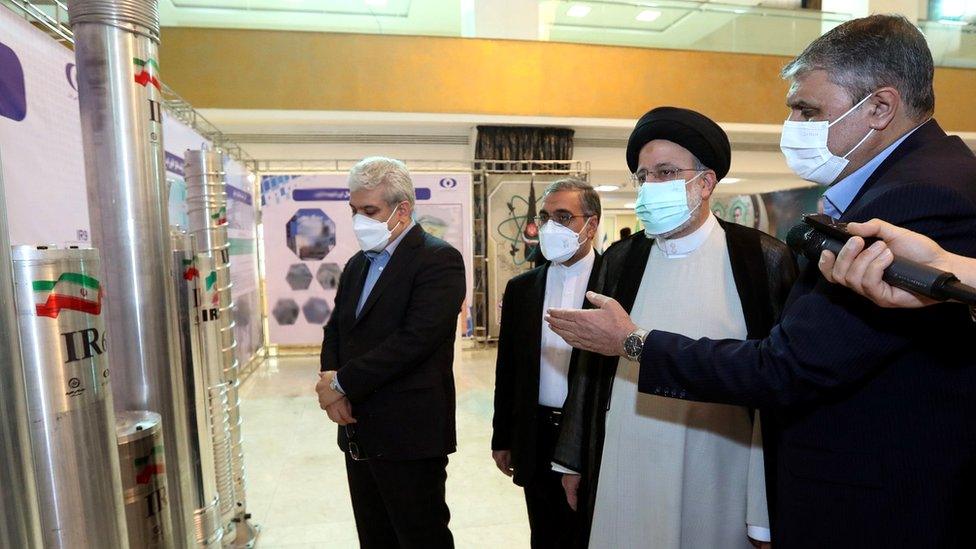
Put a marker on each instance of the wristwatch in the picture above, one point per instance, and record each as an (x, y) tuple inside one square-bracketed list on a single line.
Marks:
[(634, 344), (334, 385)]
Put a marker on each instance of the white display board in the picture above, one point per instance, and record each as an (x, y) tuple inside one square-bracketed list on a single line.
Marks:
[(41, 146), (40, 138), (308, 239), (242, 236)]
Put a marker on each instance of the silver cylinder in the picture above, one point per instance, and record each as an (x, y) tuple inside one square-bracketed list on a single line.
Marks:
[(207, 529), (116, 51), (208, 315), (58, 297), (142, 461), (206, 204), (237, 443), (19, 524), (207, 212)]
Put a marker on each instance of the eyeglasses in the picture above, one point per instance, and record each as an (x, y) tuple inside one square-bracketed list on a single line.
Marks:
[(563, 218), (663, 174), (355, 452)]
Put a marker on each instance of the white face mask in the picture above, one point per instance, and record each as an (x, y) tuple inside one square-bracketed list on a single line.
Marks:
[(372, 235), (805, 146), (558, 242)]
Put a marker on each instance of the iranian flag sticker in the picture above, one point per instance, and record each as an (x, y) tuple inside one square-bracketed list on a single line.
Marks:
[(71, 291), (149, 466)]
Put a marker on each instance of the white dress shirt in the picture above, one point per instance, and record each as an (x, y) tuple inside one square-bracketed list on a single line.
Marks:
[(680, 247), (565, 289)]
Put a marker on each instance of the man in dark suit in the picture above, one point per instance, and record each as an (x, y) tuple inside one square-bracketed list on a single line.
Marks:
[(387, 361), (533, 363), (873, 408)]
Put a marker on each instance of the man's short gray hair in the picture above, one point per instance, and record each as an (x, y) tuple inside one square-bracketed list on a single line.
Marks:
[(374, 171), (863, 55), (589, 198)]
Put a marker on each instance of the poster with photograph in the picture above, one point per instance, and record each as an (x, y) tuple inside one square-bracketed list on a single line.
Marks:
[(308, 239)]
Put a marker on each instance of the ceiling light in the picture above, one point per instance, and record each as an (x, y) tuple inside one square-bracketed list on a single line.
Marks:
[(730, 180), (630, 205), (605, 188), (578, 10), (648, 15), (951, 8), (376, 3)]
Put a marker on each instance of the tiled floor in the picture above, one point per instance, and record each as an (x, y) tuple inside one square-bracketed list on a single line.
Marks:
[(296, 483)]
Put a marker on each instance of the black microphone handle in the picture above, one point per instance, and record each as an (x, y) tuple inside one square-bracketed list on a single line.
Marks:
[(961, 292), (907, 275)]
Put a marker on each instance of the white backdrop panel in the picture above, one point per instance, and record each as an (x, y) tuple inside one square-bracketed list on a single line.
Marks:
[(40, 138), (308, 239)]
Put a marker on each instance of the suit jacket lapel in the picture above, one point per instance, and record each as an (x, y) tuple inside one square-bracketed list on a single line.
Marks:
[(402, 256), (358, 268), (632, 271), (925, 134), (534, 324), (590, 285)]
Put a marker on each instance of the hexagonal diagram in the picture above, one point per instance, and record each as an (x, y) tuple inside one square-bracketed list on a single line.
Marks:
[(299, 276), (285, 312), (433, 225), (310, 233), (316, 310), (328, 275)]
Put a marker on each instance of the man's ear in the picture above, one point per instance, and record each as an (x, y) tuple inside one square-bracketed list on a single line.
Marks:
[(710, 180), (593, 226), (886, 103)]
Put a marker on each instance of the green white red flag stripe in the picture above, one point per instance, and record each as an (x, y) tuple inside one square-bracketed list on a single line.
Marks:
[(147, 467), (71, 291), (146, 76)]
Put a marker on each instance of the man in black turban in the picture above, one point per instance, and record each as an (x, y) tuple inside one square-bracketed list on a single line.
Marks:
[(654, 471)]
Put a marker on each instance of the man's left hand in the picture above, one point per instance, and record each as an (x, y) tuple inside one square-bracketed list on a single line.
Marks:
[(324, 389), (601, 330), (340, 412)]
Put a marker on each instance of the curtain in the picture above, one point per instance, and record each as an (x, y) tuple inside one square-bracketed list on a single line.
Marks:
[(524, 143)]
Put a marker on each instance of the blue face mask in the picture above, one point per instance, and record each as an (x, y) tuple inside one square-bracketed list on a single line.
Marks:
[(663, 207)]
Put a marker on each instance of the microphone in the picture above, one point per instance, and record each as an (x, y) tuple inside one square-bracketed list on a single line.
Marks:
[(820, 232)]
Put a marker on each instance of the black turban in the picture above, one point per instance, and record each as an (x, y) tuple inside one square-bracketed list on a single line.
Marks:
[(693, 131)]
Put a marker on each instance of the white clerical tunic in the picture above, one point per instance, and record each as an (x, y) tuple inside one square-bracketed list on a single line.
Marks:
[(676, 473)]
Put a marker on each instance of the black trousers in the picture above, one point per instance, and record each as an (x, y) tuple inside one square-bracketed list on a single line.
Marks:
[(400, 503), (552, 521)]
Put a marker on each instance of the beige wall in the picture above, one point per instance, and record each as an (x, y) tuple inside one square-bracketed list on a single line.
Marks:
[(250, 69)]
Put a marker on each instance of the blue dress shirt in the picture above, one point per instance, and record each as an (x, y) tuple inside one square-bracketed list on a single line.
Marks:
[(377, 262)]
